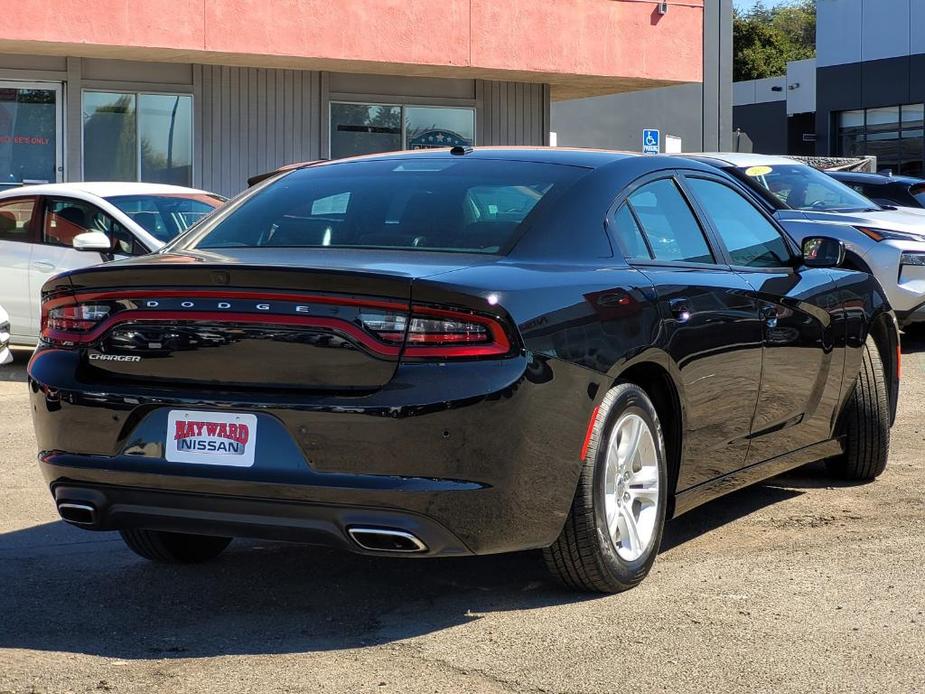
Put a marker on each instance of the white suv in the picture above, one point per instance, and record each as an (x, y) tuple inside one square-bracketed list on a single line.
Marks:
[(47, 229)]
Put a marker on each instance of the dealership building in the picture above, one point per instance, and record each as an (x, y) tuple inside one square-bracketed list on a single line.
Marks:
[(863, 95), (210, 93)]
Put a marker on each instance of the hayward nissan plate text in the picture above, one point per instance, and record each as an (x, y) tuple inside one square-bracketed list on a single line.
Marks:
[(459, 352)]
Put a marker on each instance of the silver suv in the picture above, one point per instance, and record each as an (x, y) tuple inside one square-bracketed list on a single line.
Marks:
[(887, 242)]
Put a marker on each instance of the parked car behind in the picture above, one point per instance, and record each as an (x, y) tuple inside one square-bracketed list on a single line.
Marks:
[(459, 352), (901, 191), (5, 355), (46, 229), (887, 242)]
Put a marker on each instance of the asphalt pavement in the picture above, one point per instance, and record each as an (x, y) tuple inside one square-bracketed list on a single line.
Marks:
[(798, 584)]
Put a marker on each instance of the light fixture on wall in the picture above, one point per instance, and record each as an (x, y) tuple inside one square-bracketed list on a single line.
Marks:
[(663, 7), (795, 85)]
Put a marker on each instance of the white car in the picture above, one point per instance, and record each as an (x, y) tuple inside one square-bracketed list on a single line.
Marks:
[(887, 242), (47, 229), (5, 355)]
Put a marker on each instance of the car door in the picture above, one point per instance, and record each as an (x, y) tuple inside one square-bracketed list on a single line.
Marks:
[(803, 340), (63, 218), (17, 236), (710, 324)]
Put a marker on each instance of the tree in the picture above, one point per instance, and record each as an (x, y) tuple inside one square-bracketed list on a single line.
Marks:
[(766, 39)]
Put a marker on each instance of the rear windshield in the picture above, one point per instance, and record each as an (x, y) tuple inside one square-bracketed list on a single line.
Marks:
[(165, 216), (462, 205), (802, 187)]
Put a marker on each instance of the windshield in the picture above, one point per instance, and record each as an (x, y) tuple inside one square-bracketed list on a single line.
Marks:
[(422, 204), (165, 216), (802, 187)]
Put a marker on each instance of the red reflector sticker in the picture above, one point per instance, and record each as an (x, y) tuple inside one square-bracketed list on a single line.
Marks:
[(584, 446)]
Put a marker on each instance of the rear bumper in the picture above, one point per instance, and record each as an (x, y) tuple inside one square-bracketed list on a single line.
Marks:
[(479, 458), (115, 507)]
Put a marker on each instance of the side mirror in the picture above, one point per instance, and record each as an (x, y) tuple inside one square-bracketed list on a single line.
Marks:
[(822, 251), (92, 241)]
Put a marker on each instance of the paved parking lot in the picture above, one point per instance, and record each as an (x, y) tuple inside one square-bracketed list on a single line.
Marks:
[(793, 585)]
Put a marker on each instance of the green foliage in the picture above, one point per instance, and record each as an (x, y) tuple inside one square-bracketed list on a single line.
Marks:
[(766, 39)]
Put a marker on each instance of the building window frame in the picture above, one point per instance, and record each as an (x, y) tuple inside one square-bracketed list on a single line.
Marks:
[(403, 104), (137, 94)]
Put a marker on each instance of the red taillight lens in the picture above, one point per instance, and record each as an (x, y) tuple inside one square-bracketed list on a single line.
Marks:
[(440, 333), (65, 322)]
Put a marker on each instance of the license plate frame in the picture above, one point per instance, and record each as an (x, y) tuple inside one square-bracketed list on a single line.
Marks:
[(201, 437)]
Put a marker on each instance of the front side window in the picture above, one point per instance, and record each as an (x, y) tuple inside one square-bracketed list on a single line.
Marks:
[(66, 218), (458, 205), (137, 137), (168, 215), (801, 187), (752, 241), (668, 223), (16, 218)]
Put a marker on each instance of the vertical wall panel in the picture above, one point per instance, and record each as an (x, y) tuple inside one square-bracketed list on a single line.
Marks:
[(252, 120), (512, 113)]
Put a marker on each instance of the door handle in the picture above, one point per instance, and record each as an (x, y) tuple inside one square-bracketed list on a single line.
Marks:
[(769, 315), (680, 310), (43, 265)]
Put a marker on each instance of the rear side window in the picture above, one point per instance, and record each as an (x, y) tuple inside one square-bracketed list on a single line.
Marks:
[(752, 241), (918, 192), (629, 234), (15, 219), (668, 223), (461, 205)]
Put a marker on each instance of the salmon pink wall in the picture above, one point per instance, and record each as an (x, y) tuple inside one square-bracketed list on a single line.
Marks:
[(622, 40)]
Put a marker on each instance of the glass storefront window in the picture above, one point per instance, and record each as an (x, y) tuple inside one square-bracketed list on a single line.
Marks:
[(110, 138), (894, 134), (364, 129), (138, 137), (165, 138), (28, 134), (427, 127), (370, 128)]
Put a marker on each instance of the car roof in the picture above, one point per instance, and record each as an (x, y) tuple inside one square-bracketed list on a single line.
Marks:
[(101, 189), (874, 178), (570, 156), (741, 159)]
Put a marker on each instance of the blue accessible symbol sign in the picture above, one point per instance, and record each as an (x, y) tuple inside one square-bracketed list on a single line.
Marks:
[(651, 142)]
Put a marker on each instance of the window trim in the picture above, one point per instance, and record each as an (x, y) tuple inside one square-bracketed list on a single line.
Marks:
[(32, 236), (720, 258), (402, 105), (750, 199), (137, 93)]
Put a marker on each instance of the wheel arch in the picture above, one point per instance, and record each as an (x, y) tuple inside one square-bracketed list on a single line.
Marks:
[(657, 375)]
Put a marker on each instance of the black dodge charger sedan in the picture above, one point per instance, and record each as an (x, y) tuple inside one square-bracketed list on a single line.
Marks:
[(459, 352)]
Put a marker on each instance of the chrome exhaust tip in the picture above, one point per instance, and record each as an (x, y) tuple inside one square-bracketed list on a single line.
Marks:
[(386, 540), (78, 514)]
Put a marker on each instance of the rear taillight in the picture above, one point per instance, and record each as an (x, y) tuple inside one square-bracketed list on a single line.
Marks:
[(434, 333), (66, 322)]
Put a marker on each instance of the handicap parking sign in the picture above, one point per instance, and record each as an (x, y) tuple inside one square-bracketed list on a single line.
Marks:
[(651, 142)]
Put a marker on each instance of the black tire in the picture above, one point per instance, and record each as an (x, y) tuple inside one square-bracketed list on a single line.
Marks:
[(584, 557), (865, 423), (173, 548)]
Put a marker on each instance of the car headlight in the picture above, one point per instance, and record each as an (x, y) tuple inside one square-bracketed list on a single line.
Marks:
[(912, 258), (889, 235)]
